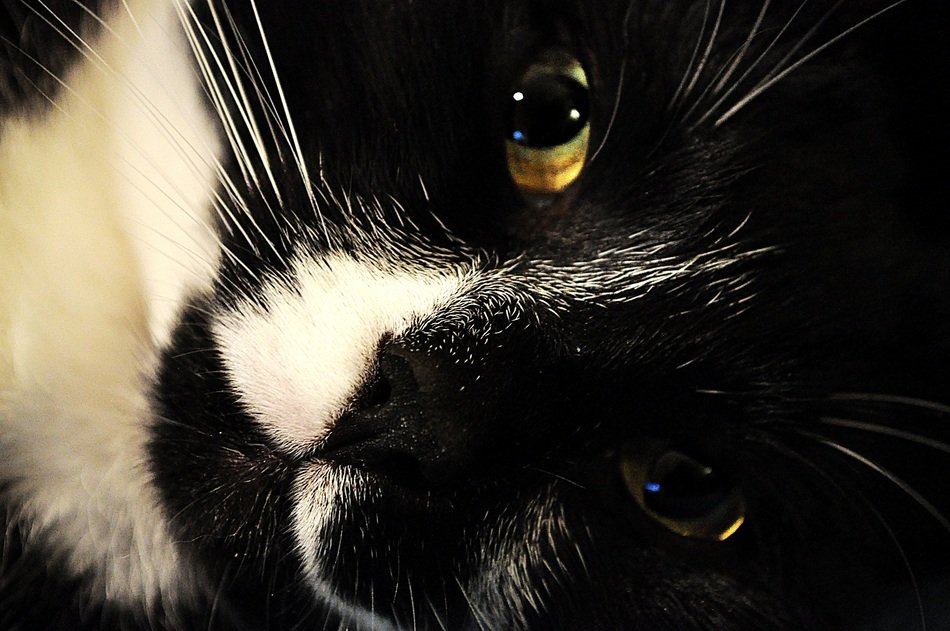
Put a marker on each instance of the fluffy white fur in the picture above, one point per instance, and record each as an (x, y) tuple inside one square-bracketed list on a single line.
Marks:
[(103, 230), (297, 361)]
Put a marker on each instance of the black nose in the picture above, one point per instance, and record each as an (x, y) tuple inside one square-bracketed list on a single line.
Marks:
[(421, 419)]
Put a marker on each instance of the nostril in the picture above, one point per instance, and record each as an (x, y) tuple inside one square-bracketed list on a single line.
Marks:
[(404, 423), (374, 392)]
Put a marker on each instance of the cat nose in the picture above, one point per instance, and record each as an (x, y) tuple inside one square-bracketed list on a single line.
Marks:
[(420, 419)]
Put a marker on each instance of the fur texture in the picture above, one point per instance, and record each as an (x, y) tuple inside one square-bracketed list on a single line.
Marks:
[(282, 345)]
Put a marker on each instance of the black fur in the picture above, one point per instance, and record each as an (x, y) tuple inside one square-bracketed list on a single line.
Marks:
[(514, 410)]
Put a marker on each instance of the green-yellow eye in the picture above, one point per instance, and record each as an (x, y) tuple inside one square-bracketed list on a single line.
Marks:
[(683, 494), (548, 125)]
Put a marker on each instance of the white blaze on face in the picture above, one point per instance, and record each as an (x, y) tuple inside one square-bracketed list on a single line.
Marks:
[(297, 361)]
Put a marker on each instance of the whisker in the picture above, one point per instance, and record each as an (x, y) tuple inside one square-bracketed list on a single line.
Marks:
[(689, 67), (804, 39), (755, 64), (708, 52), (193, 30), (557, 476), (923, 404), (722, 77), (163, 124), (46, 96), (131, 14), (619, 92), (888, 475), (794, 454), (758, 90), (412, 605), (102, 23), (180, 142), (744, 48), (888, 431), (245, 109), (299, 158), (478, 615), (256, 79), (435, 614), (196, 35), (74, 38)]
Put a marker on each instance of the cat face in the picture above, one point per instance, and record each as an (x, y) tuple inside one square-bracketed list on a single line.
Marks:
[(427, 388), (562, 315)]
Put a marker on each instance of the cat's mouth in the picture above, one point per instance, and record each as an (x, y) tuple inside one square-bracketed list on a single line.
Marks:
[(371, 453)]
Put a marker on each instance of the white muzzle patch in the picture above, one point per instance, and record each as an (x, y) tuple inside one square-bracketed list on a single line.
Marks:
[(297, 356)]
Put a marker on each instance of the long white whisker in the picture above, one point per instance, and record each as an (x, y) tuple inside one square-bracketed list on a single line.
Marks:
[(617, 97), (217, 97), (744, 48), (613, 113), (85, 49), (888, 431), (708, 52), (924, 404), (298, 152), (476, 613), (888, 475), (807, 37), (246, 111), (758, 90), (256, 79), (412, 605), (435, 614), (755, 64), (73, 37), (98, 18), (179, 141), (34, 85), (788, 451), (245, 68), (689, 68), (196, 34), (190, 24)]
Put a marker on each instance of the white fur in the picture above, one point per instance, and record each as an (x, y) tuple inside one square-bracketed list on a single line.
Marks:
[(103, 231), (322, 490), (297, 359), (318, 495)]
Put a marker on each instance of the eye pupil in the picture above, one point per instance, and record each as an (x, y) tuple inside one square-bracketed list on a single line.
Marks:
[(681, 493), (679, 487), (547, 110), (547, 129)]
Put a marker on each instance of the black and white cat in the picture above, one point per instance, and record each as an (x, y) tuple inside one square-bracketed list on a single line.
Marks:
[(524, 314)]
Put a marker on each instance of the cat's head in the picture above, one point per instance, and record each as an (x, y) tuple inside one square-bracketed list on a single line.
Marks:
[(568, 314)]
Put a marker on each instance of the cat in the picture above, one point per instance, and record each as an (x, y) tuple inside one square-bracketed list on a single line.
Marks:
[(424, 314)]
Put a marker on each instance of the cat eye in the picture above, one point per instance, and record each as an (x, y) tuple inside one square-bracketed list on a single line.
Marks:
[(682, 493), (548, 126)]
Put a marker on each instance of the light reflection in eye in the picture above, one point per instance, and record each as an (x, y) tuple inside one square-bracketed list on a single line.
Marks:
[(548, 129), (681, 493)]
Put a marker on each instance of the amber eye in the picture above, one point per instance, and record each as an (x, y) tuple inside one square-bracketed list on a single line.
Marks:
[(548, 125), (681, 493)]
